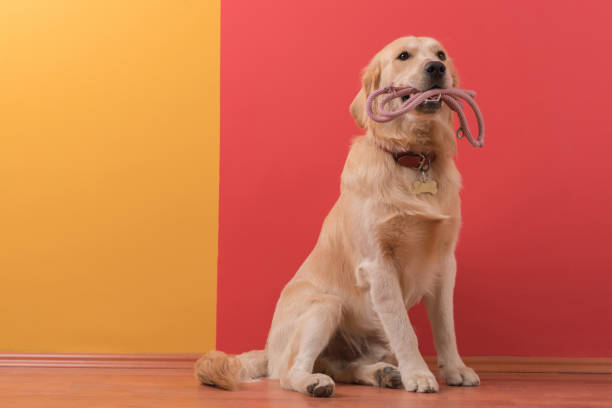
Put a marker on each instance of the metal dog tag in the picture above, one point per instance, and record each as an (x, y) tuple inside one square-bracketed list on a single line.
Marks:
[(420, 187)]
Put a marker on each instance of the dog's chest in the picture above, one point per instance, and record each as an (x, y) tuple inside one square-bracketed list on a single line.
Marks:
[(421, 249)]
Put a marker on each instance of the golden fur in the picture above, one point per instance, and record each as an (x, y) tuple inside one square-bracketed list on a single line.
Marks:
[(381, 250)]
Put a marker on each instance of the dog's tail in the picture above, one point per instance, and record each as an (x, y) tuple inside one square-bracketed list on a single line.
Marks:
[(225, 371)]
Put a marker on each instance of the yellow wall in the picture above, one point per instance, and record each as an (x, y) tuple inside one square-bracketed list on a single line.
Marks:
[(109, 146)]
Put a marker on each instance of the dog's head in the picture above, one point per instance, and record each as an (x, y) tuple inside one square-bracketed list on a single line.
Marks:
[(418, 62)]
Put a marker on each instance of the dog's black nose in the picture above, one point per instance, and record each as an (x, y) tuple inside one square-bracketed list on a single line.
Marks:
[(435, 69)]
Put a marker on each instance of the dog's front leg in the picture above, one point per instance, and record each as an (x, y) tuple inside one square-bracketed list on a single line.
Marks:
[(439, 306), (388, 303)]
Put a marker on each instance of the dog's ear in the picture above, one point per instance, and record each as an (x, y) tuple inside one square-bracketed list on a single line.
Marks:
[(358, 108), (454, 74), (370, 81)]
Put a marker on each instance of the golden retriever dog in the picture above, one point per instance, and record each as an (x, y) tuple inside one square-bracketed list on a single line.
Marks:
[(383, 247)]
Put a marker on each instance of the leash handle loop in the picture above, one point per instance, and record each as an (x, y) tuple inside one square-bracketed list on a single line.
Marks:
[(451, 96)]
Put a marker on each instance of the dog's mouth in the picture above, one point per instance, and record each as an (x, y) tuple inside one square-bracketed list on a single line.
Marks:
[(430, 105)]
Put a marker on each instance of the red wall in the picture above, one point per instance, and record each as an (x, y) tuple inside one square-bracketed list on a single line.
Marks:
[(535, 254)]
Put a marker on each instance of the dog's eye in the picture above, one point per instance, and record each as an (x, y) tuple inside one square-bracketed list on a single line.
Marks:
[(403, 56), (441, 55)]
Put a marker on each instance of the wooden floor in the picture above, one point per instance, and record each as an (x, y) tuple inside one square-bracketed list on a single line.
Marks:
[(105, 387)]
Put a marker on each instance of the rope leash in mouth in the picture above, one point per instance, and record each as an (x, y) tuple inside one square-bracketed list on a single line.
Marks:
[(450, 96)]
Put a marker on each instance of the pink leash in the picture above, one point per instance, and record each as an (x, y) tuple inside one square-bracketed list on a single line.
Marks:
[(450, 96)]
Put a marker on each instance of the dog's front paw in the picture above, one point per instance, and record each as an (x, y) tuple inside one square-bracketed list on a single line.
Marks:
[(420, 381), (459, 375)]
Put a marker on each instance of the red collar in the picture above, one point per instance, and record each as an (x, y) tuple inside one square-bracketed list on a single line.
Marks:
[(418, 161)]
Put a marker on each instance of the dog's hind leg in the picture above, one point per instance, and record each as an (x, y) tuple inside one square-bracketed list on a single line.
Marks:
[(362, 371), (313, 330)]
